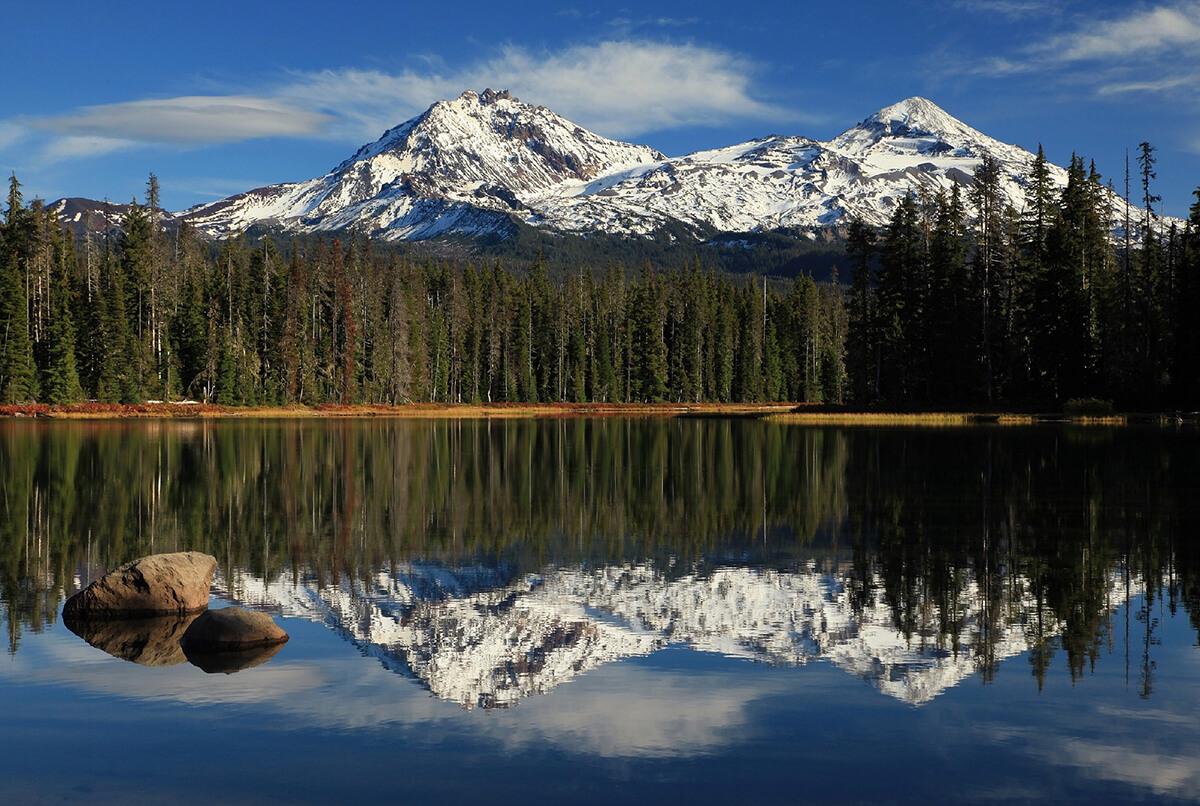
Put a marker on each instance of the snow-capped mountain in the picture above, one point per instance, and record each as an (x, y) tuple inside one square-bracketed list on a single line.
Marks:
[(475, 164), (463, 166), (85, 216), (479, 639)]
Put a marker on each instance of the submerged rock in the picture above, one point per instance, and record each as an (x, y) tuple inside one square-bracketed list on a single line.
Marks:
[(230, 660), (161, 584), (232, 628), (150, 641)]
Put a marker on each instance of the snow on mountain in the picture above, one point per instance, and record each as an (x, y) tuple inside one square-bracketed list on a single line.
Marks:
[(463, 166), (86, 216), (478, 639), (475, 164)]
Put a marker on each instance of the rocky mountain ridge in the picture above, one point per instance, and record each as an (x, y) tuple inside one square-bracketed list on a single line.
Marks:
[(482, 163)]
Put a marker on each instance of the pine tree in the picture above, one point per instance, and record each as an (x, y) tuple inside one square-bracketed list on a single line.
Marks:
[(862, 340), (950, 326), (18, 372), (114, 382), (647, 343), (900, 299), (60, 377), (987, 197)]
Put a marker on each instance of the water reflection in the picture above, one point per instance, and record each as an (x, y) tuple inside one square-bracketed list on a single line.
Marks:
[(495, 560), (144, 641), (230, 661), (495, 647)]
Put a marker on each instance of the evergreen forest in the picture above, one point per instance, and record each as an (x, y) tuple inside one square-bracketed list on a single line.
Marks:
[(960, 301)]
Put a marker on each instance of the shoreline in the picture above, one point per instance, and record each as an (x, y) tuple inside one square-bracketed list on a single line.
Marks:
[(782, 413)]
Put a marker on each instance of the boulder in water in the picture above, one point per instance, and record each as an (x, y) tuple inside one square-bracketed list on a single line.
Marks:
[(232, 629), (161, 584)]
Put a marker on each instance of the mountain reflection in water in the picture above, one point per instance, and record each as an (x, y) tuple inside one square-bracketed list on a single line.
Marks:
[(493, 560), (493, 647)]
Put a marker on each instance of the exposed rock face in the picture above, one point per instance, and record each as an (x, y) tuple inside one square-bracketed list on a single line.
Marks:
[(232, 628), (158, 585), (150, 641)]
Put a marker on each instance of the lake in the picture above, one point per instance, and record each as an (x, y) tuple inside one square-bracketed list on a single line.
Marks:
[(588, 610)]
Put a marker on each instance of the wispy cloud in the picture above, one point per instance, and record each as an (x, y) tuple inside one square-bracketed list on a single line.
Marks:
[(621, 88), (1010, 8), (1189, 80), (1149, 32), (1158, 41), (187, 120), (631, 23), (75, 146), (11, 133)]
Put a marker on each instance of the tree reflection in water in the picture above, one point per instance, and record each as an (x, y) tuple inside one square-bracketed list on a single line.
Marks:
[(967, 544)]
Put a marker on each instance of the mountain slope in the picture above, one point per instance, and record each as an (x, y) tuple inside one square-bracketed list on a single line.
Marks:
[(463, 166), (87, 216), (795, 182), (476, 164)]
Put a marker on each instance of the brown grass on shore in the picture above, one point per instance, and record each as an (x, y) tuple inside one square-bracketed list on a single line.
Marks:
[(873, 418), (782, 413), (102, 411), (933, 419)]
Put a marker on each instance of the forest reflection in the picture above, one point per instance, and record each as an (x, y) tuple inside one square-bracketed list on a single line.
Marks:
[(1054, 522)]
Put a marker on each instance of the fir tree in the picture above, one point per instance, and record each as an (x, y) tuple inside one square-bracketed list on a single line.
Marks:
[(60, 377), (861, 341), (18, 372)]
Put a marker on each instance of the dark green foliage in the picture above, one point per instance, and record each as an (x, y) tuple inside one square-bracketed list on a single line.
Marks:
[(960, 301), (60, 373), (974, 304), (18, 372)]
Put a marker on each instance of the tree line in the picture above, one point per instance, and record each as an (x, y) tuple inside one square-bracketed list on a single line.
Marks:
[(960, 300), (963, 300), (156, 315)]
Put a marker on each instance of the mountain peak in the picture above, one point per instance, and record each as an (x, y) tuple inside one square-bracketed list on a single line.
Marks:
[(491, 96), (917, 114), (474, 163), (488, 96)]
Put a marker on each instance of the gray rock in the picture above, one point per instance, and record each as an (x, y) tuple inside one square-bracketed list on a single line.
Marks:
[(232, 628), (158, 585)]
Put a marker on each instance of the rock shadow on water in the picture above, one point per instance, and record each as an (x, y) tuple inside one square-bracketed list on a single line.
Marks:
[(147, 641), (165, 640), (229, 661)]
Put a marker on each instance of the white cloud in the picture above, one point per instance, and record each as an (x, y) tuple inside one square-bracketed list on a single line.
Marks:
[(621, 88), (1155, 40), (187, 120), (82, 145), (1010, 8), (1145, 32), (11, 133), (1164, 84)]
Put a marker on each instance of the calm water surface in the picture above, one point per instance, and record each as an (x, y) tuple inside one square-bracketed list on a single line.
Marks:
[(588, 610)]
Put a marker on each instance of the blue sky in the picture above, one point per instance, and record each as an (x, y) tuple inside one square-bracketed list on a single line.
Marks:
[(224, 96)]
